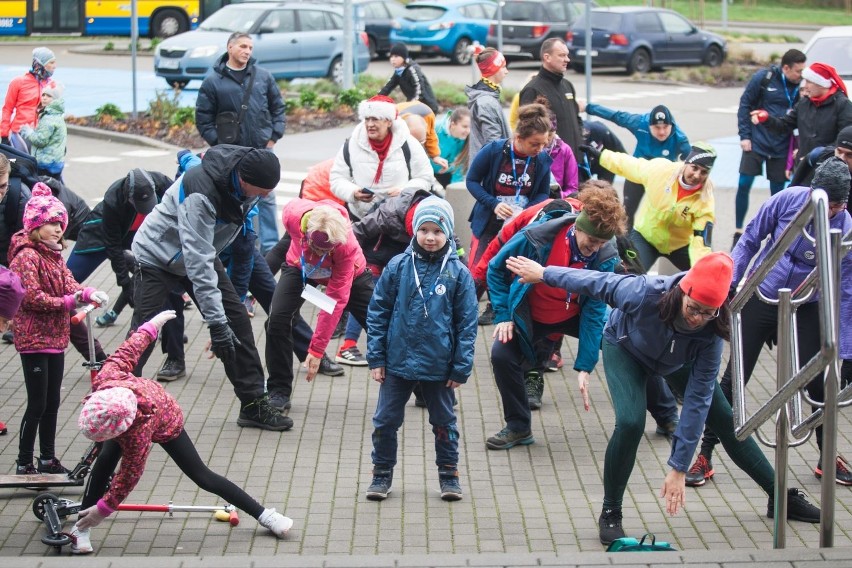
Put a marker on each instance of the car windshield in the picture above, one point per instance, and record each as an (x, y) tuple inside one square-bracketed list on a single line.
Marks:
[(523, 11), (423, 13), (608, 21), (233, 19), (836, 51)]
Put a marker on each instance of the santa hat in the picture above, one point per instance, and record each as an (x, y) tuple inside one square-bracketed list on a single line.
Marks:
[(380, 106), (824, 75)]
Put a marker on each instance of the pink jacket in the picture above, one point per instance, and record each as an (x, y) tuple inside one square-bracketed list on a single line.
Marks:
[(159, 418), (346, 262), (43, 324), (564, 167), (22, 97)]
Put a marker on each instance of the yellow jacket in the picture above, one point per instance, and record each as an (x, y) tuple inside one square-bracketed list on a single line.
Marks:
[(665, 222)]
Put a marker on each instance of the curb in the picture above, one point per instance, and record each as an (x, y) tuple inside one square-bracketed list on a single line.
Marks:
[(89, 49), (110, 136)]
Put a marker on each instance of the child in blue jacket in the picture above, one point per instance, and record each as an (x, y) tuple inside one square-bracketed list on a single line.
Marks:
[(421, 328)]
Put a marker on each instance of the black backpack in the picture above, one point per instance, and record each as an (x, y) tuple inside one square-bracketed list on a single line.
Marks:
[(24, 170)]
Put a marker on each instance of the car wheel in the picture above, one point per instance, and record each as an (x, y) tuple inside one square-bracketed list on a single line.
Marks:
[(640, 62), (167, 23), (461, 52), (177, 84), (335, 71), (713, 56), (374, 52)]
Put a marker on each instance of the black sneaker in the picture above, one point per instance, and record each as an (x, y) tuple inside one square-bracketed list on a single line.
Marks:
[(279, 401), (609, 526), (843, 475), (506, 438), (260, 414), (487, 317), (798, 507), (51, 466), (667, 429), (700, 472), (340, 329), (8, 336), (26, 469), (172, 370), (450, 488), (534, 384), (330, 368), (380, 487)]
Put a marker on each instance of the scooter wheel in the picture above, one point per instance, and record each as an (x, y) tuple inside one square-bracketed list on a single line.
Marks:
[(57, 540), (39, 503)]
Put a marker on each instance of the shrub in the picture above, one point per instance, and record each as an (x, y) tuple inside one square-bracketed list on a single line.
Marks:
[(182, 116), (109, 46), (448, 94), (308, 99), (164, 106), (108, 112), (351, 97), (291, 105), (326, 104)]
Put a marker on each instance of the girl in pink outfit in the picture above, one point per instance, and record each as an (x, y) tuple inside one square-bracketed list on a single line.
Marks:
[(43, 323), (129, 414)]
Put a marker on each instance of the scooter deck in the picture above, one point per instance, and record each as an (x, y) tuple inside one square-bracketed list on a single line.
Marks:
[(41, 480)]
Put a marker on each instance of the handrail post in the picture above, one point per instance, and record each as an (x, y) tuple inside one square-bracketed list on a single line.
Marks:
[(784, 371)]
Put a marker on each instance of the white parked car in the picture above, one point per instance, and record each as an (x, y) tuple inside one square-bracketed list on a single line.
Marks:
[(832, 45)]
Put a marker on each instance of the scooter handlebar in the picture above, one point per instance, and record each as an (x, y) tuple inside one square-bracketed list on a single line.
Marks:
[(81, 313)]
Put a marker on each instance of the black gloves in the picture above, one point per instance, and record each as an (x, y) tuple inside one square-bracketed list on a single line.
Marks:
[(591, 151), (224, 342)]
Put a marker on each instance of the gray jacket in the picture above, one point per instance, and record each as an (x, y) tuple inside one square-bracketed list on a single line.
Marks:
[(487, 121), (200, 214)]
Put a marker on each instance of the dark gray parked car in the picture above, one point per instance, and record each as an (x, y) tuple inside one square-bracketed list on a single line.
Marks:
[(528, 23)]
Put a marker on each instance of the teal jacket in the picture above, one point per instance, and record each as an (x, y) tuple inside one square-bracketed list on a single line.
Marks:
[(49, 137), (509, 296), (451, 147)]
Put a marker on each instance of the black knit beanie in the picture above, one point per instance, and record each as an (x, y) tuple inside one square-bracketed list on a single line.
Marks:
[(399, 49), (833, 177), (260, 168)]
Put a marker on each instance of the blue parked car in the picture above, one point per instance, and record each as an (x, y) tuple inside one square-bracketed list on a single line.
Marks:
[(446, 28), (639, 39), (291, 39)]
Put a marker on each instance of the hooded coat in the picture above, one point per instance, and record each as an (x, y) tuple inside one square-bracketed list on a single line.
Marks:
[(675, 147), (487, 122), (49, 137)]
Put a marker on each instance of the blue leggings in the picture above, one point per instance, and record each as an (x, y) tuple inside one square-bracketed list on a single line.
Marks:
[(743, 190)]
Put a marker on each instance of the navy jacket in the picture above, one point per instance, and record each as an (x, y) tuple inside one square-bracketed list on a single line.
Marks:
[(777, 97)]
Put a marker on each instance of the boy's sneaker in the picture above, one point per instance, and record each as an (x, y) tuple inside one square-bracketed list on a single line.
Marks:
[(487, 317), (171, 370), (380, 487), (798, 507), (700, 472), (534, 384), (25, 469), (249, 304), (260, 414), (450, 488), (81, 542), (329, 368), (555, 362), (843, 475), (106, 319), (279, 401), (3, 429), (506, 438), (278, 524), (351, 356), (51, 466), (609, 526)]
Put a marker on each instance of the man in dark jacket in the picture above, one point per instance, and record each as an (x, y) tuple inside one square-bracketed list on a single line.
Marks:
[(409, 77), (13, 198), (775, 89), (179, 243), (842, 149), (262, 124), (559, 92)]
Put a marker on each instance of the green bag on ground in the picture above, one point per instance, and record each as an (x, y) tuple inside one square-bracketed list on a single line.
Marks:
[(648, 543)]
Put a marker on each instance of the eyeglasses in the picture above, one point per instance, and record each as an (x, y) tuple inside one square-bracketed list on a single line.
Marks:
[(4, 186), (696, 312)]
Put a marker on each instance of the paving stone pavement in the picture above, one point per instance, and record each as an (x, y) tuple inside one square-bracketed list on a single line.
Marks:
[(532, 505)]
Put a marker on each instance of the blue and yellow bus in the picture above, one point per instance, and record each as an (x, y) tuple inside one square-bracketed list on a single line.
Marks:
[(157, 18)]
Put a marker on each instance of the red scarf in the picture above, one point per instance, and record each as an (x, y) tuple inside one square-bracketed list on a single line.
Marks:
[(381, 148), (819, 100)]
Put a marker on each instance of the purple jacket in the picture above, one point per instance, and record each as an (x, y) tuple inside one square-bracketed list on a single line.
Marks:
[(564, 167), (799, 260)]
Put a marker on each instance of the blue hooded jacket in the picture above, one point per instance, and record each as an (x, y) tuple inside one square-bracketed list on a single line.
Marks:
[(675, 147)]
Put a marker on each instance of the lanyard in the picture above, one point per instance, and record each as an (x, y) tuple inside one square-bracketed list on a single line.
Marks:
[(306, 275), (437, 280), (795, 94), (518, 183)]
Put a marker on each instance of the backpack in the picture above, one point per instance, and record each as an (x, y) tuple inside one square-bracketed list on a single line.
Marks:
[(24, 170), (648, 543), (406, 151)]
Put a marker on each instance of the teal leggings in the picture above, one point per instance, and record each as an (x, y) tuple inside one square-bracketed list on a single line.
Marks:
[(626, 378)]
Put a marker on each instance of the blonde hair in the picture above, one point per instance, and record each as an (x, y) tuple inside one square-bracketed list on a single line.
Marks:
[(328, 220), (5, 166)]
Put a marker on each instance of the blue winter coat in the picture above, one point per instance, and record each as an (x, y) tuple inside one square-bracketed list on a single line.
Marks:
[(675, 147), (777, 97), (407, 342), (635, 326), (508, 295), (482, 177), (451, 147)]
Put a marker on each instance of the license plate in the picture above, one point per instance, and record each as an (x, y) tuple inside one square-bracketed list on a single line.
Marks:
[(508, 48), (582, 53), (414, 47), (169, 63)]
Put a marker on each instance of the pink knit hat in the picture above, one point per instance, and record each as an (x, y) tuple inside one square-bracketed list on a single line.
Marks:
[(43, 208), (107, 413)]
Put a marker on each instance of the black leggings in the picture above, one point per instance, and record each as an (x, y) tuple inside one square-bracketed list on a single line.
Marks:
[(183, 453), (43, 378)]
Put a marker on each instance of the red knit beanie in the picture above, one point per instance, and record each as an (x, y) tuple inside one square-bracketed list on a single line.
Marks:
[(709, 280)]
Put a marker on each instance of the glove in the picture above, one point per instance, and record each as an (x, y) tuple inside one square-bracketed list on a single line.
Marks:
[(78, 298), (160, 319), (99, 297), (591, 151), (89, 518), (223, 342), (759, 116)]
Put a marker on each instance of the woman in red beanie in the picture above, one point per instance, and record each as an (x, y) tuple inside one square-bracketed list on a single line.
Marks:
[(675, 327)]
